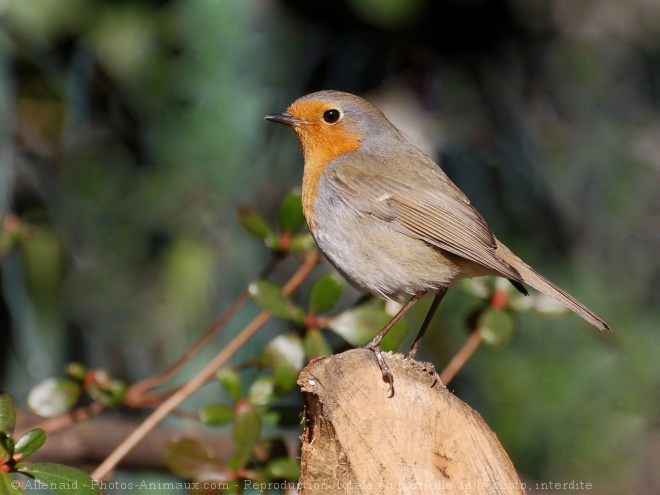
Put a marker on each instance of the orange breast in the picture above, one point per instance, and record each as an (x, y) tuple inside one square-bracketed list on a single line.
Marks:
[(321, 144)]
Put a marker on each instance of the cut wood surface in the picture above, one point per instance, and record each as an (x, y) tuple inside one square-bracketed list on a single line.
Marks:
[(423, 439)]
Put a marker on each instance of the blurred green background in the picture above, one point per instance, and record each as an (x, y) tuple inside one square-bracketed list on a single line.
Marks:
[(133, 131)]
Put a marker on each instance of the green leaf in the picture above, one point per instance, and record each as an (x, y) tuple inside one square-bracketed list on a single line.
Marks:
[(117, 390), (247, 430), (7, 413), (274, 243), (291, 213), (77, 371), (284, 377), (496, 326), (231, 382), (30, 442), (273, 418), (262, 391), (478, 287), (325, 293), (216, 414), (62, 479), (53, 397), (189, 459), (315, 345), (285, 355), (6, 448), (254, 223), (109, 393), (302, 242), (358, 325), (283, 468), (270, 297), (8, 485)]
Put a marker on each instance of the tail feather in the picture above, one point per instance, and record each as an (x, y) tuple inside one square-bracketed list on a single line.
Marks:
[(540, 283)]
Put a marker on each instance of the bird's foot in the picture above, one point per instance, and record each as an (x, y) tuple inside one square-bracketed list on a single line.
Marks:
[(384, 369), (428, 365)]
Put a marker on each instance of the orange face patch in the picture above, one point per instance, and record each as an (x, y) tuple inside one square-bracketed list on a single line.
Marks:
[(321, 143)]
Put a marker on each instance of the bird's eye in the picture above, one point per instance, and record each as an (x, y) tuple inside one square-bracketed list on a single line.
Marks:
[(331, 116)]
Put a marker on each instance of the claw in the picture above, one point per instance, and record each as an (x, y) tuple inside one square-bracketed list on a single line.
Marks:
[(427, 365), (374, 344), (384, 369), (436, 377)]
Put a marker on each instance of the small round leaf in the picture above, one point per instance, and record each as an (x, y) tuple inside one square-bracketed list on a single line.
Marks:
[(53, 397), (291, 213), (30, 442), (247, 430), (262, 391), (7, 413), (325, 293), (6, 448), (285, 355), (357, 325), (302, 242), (478, 287), (216, 414), (254, 224), (283, 468), (315, 345), (189, 459), (77, 371), (270, 297), (65, 479), (496, 326), (231, 382)]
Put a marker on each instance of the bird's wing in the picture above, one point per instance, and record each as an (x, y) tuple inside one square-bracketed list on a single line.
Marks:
[(440, 215)]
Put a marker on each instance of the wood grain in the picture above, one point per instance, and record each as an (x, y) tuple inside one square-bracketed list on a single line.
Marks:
[(422, 440)]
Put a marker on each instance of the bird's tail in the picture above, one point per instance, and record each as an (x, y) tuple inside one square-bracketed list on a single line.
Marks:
[(540, 283)]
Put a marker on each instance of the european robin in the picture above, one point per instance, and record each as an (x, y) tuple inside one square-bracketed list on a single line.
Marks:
[(386, 215)]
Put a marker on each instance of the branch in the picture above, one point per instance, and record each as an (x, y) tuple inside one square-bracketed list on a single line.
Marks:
[(202, 377), (137, 394), (461, 357)]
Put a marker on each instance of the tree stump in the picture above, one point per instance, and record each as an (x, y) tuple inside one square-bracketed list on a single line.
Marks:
[(358, 439)]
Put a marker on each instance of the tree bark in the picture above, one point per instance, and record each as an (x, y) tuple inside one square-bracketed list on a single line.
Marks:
[(423, 439)]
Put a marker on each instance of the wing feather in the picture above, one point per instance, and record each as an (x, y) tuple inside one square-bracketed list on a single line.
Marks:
[(441, 216)]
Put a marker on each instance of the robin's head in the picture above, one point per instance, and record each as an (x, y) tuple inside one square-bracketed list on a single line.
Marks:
[(331, 123)]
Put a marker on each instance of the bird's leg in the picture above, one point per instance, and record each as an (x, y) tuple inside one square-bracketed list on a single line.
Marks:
[(374, 344), (429, 316)]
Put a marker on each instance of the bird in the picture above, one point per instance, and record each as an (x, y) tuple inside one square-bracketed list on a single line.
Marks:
[(389, 219)]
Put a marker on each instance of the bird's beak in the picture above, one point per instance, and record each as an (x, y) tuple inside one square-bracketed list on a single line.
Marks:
[(284, 118)]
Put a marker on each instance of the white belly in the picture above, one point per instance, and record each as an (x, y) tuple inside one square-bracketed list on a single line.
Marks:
[(377, 259)]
